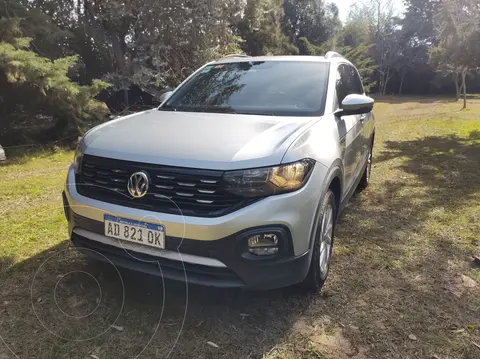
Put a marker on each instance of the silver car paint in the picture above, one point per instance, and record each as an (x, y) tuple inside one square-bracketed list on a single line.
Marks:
[(228, 141), (199, 140), (293, 210), (331, 139)]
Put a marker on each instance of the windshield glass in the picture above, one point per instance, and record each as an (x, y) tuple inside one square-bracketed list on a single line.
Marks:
[(278, 88)]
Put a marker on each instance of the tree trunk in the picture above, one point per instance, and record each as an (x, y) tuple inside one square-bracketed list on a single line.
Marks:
[(118, 47), (455, 78), (381, 84), (385, 83), (380, 81), (118, 52), (401, 83), (464, 86)]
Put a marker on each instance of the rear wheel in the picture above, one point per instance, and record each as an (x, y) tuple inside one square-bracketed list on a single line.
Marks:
[(323, 244)]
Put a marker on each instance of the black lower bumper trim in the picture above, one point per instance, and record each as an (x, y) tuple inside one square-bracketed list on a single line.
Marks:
[(157, 266), (244, 271)]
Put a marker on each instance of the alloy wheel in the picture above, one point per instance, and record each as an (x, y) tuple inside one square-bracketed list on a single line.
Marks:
[(326, 240)]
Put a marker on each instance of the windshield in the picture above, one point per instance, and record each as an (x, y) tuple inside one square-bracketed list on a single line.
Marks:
[(278, 88)]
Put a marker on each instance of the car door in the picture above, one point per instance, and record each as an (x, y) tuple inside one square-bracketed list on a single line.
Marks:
[(366, 122), (350, 127)]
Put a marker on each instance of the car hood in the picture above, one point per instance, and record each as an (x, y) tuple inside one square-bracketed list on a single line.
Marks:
[(197, 140)]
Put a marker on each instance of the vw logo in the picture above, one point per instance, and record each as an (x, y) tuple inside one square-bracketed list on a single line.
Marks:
[(138, 184)]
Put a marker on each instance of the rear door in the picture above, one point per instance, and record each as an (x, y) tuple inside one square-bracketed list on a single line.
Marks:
[(350, 127)]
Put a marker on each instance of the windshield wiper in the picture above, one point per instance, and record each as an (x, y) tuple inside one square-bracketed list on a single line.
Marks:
[(167, 108), (199, 109), (219, 109)]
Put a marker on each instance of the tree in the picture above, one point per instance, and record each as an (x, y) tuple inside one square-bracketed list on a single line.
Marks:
[(373, 27), (360, 57), (148, 43), (32, 85), (48, 39), (259, 27), (386, 42), (310, 19), (418, 21), (457, 53), (416, 38)]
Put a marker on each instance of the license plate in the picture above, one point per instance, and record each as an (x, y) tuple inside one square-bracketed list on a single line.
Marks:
[(135, 231)]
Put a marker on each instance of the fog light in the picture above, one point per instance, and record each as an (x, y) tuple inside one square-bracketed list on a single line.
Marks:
[(263, 244)]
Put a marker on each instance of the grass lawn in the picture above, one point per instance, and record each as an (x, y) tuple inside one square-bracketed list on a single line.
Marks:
[(402, 284)]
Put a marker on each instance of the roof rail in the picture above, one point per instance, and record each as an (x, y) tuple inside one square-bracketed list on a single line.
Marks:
[(332, 54), (233, 56)]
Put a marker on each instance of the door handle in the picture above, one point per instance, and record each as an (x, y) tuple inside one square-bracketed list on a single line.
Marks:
[(363, 118)]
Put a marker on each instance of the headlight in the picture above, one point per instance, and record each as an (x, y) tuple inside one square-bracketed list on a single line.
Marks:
[(260, 182), (77, 158)]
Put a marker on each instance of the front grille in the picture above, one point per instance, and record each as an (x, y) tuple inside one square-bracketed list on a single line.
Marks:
[(177, 190)]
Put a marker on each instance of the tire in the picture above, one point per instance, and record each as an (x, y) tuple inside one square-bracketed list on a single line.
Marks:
[(323, 244), (365, 180)]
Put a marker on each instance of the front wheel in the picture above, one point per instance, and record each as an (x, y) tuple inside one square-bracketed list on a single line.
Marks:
[(323, 244), (365, 180)]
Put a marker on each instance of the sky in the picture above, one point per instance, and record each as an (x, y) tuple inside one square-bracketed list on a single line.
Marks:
[(344, 5)]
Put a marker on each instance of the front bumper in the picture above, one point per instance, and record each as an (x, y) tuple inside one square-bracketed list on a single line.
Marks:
[(207, 251), (237, 271)]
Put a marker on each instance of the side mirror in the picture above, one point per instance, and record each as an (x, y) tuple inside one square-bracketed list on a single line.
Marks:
[(164, 97), (355, 105)]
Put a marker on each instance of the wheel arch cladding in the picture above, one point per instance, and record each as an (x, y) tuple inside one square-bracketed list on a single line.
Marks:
[(336, 187)]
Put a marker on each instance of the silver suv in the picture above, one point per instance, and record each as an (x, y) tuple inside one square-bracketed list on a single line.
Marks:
[(236, 180)]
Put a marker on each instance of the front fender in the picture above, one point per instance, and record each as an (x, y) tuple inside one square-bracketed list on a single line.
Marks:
[(336, 171)]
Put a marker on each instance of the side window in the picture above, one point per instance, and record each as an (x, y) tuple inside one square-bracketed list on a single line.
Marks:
[(342, 86), (348, 82), (357, 83)]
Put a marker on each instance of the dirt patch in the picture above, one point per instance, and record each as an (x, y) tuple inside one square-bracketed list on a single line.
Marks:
[(326, 338), (459, 284)]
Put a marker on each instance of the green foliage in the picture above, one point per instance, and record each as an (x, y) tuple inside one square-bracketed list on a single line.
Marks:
[(52, 50), (52, 91), (51, 39), (355, 32), (458, 32), (310, 19), (360, 57), (126, 45), (308, 48), (260, 28), (418, 22)]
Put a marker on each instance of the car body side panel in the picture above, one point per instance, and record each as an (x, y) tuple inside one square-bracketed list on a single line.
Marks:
[(330, 140), (333, 172), (368, 130), (351, 138), (319, 142)]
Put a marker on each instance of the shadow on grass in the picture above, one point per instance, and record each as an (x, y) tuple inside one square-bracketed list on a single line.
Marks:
[(401, 246), (414, 99), (387, 282), (76, 307), (446, 167), (433, 174)]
